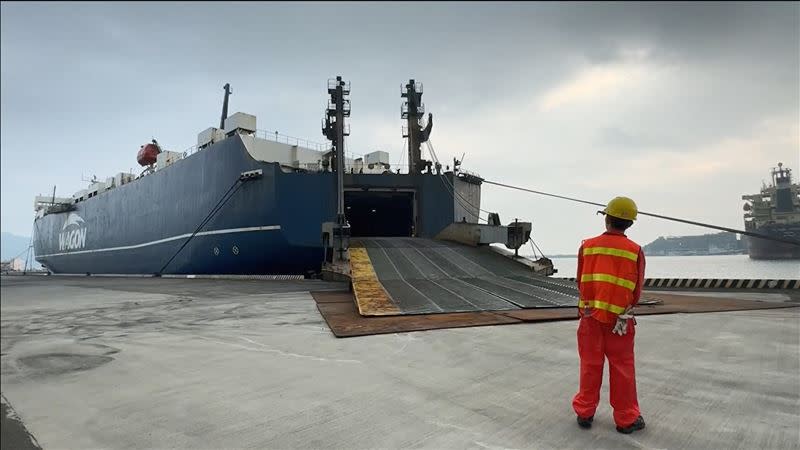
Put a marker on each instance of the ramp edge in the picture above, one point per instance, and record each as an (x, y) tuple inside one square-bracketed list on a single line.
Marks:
[(370, 295)]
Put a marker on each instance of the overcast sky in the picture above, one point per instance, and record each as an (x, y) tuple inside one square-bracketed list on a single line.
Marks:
[(683, 107)]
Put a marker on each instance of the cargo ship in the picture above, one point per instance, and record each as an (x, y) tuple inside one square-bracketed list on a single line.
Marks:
[(775, 211), (247, 201)]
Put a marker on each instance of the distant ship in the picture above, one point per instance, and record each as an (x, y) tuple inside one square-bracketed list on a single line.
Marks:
[(775, 211)]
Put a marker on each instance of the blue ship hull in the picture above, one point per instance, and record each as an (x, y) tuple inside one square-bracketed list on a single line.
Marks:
[(271, 225)]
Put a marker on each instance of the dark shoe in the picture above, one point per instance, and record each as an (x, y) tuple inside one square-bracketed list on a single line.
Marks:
[(585, 422), (638, 424)]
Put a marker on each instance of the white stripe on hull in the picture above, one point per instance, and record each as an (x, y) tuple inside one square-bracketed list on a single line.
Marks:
[(173, 238)]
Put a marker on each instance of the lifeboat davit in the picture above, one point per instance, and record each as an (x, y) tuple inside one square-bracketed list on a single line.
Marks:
[(148, 154)]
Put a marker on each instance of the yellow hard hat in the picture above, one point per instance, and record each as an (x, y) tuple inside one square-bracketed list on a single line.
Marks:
[(622, 208)]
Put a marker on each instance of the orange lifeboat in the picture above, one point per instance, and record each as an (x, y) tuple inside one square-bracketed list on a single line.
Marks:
[(148, 153)]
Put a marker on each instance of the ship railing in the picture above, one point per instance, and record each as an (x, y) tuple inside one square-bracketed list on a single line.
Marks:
[(417, 87), (189, 151), (353, 168), (396, 169), (404, 111), (291, 140), (349, 168), (333, 83), (469, 174), (376, 168), (276, 137)]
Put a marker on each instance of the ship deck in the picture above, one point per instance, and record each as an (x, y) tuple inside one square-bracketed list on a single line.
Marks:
[(193, 363)]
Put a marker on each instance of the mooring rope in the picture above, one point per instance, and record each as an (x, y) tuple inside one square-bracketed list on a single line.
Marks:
[(659, 216)]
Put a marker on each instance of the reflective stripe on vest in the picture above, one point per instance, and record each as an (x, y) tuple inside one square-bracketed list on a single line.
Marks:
[(628, 284), (597, 304), (609, 274), (611, 251)]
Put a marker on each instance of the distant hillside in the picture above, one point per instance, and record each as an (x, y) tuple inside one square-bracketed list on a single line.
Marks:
[(707, 244)]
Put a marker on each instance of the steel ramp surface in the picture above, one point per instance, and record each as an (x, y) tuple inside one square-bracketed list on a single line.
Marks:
[(424, 276)]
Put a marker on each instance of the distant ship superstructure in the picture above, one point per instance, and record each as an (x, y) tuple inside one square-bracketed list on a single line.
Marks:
[(775, 211)]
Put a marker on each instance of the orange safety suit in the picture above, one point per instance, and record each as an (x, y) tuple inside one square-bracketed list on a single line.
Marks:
[(610, 278)]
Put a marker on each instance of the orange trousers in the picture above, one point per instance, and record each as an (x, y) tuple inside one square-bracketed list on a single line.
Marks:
[(596, 342)]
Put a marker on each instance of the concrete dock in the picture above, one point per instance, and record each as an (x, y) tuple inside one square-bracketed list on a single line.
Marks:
[(209, 364)]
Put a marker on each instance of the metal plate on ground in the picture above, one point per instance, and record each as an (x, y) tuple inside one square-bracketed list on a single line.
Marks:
[(340, 313), (425, 276)]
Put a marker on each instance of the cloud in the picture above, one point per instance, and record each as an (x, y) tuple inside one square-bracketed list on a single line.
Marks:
[(598, 82), (587, 86), (615, 137), (702, 183)]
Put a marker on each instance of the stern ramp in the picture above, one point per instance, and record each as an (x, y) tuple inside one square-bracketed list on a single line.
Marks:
[(394, 276)]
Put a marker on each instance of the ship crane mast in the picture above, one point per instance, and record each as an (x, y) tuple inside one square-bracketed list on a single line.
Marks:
[(412, 111), (336, 234)]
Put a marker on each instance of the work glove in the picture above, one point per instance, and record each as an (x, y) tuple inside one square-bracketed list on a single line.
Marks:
[(621, 327)]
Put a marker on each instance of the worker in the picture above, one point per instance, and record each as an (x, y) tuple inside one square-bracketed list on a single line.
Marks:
[(610, 279)]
